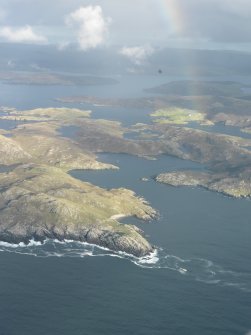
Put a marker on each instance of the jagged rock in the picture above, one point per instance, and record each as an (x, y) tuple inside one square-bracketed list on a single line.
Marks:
[(43, 202)]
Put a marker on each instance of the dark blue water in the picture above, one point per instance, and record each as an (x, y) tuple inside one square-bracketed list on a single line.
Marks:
[(198, 283), (195, 222), (222, 129)]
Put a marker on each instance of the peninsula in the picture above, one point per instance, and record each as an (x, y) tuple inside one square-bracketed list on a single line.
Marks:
[(39, 199)]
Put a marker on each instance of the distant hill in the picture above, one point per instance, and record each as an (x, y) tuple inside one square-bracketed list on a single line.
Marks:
[(108, 61)]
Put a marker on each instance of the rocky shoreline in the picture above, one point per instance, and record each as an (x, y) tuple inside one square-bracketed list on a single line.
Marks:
[(40, 200), (226, 185), (107, 239)]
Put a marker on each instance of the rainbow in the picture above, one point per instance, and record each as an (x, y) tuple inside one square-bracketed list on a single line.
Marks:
[(174, 18), (174, 15)]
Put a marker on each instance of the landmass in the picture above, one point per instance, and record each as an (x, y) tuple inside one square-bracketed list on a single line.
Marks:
[(175, 115), (212, 102), (177, 109), (225, 160), (39, 202), (200, 88), (226, 184), (39, 199), (48, 78)]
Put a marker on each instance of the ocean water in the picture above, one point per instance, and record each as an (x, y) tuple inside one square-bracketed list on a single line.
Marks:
[(197, 282)]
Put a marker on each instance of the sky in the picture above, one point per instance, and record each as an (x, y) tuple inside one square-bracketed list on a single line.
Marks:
[(136, 27)]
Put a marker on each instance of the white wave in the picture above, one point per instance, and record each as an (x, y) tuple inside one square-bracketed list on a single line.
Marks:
[(110, 255), (86, 244), (57, 241), (199, 269), (150, 259), (182, 271), (10, 245), (206, 281), (177, 258), (86, 253), (31, 243)]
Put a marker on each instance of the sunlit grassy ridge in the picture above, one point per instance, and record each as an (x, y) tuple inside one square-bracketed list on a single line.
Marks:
[(175, 115), (39, 141), (47, 114)]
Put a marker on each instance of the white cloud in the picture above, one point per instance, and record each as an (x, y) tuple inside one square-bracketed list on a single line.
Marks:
[(92, 26), (11, 63), (138, 54), (22, 35), (63, 45)]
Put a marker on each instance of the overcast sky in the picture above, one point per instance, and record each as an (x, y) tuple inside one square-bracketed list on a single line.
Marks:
[(142, 24)]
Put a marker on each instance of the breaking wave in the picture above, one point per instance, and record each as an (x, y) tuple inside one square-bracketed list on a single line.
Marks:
[(199, 269)]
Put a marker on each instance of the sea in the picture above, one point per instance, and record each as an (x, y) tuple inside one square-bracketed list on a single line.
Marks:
[(198, 281)]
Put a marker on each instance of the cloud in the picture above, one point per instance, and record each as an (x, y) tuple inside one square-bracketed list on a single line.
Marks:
[(219, 21), (138, 54), (2, 14), (11, 63), (22, 35), (63, 45), (91, 26)]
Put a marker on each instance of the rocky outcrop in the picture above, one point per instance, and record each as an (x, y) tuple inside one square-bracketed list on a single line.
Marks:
[(39, 202), (234, 186), (134, 244)]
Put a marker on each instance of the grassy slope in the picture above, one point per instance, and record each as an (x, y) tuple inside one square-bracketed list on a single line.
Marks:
[(41, 199)]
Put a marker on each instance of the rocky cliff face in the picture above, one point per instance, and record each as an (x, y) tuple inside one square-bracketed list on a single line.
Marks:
[(43, 202)]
